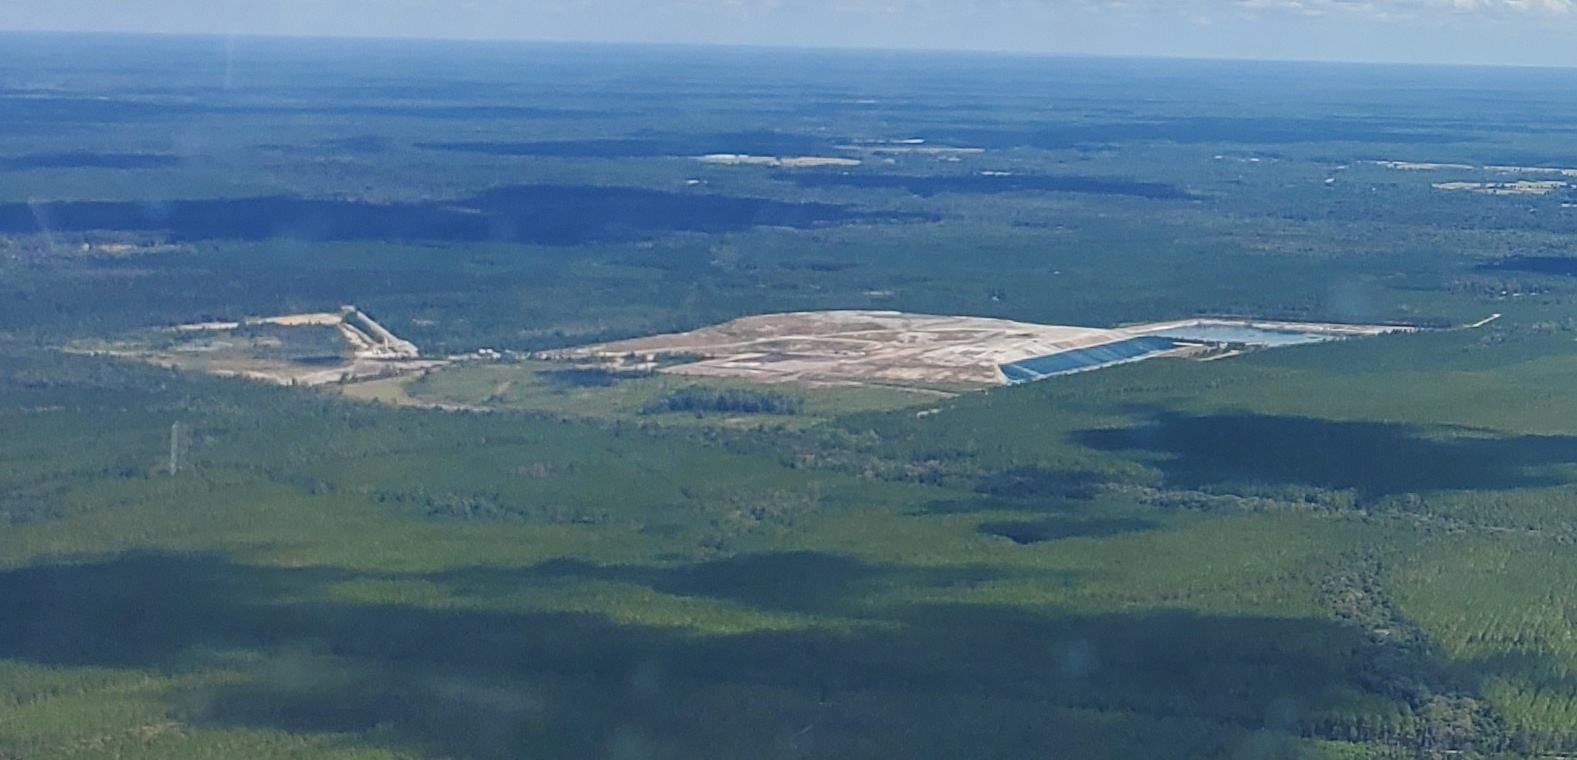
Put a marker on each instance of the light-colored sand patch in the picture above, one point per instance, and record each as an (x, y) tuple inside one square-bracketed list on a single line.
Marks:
[(1562, 171), (786, 162), (917, 149), (1421, 166), (328, 318), (1518, 187), (800, 162), (281, 373)]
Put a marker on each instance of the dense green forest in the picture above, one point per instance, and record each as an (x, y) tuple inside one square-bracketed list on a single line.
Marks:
[(1316, 581), (1359, 549), (729, 401)]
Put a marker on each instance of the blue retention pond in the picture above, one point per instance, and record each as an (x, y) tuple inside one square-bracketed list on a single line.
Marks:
[(1080, 359), (1253, 336)]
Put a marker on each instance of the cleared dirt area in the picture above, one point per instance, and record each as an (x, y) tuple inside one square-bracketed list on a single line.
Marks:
[(314, 348), (1519, 187), (895, 348), (298, 320), (852, 347), (1560, 170), (1331, 330), (1493, 187), (1421, 166)]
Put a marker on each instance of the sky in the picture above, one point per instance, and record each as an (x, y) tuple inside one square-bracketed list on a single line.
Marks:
[(1518, 32)]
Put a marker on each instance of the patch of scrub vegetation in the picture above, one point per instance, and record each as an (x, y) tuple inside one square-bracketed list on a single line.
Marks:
[(698, 400), (588, 377), (1054, 528)]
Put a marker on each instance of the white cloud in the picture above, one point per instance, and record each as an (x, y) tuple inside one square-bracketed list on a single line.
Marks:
[(1405, 9), (1396, 10)]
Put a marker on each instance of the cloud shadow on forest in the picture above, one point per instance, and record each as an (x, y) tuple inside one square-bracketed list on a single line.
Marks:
[(1375, 458), (467, 680), (541, 214)]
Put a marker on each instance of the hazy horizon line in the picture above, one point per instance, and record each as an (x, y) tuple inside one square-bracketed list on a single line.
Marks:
[(746, 46)]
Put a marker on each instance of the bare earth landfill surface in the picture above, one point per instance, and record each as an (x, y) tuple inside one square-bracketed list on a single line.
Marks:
[(889, 347)]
